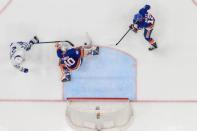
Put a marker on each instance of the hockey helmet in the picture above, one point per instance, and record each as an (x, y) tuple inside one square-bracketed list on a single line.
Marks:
[(144, 10), (18, 59), (147, 7)]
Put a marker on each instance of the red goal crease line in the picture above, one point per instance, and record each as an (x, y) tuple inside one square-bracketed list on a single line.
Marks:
[(33, 100)]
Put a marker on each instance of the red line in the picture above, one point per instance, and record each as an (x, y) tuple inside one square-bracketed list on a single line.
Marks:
[(30, 100), (165, 101), (4, 8)]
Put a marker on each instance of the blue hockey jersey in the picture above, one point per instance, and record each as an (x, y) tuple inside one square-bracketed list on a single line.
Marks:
[(71, 58), (144, 19)]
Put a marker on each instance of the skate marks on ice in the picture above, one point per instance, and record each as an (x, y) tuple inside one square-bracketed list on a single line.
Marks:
[(111, 74), (4, 5)]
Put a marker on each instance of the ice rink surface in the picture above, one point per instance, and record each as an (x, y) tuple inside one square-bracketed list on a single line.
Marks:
[(166, 78)]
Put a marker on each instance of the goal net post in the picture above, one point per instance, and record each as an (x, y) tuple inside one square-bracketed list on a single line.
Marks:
[(99, 114)]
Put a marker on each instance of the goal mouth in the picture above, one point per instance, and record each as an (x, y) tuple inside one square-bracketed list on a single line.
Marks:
[(98, 113)]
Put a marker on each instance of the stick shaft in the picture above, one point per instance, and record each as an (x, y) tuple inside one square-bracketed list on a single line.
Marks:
[(55, 42), (123, 37)]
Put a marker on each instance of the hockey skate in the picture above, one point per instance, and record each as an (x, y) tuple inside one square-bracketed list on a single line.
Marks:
[(66, 77), (153, 47)]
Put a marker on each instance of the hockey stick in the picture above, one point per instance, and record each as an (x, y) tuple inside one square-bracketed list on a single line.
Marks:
[(56, 42), (89, 38), (123, 36)]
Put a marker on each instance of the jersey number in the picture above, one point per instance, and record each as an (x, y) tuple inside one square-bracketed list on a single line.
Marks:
[(69, 62)]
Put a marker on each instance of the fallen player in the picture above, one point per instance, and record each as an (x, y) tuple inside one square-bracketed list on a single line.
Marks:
[(18, 51)]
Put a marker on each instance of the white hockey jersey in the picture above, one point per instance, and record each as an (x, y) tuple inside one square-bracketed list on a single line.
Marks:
[(17, 54)]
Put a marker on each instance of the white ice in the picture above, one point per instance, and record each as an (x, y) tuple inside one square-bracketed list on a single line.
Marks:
[(167, 74)]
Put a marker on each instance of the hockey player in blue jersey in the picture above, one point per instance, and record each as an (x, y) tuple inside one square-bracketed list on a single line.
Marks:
[(70, 58), (17, 53), (144, 20)]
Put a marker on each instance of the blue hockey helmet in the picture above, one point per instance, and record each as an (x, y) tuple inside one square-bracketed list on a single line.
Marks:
[(144, 10), (137, 18), (147, 7)]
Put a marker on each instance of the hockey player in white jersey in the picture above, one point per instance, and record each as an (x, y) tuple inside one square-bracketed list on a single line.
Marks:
[(17, 53)]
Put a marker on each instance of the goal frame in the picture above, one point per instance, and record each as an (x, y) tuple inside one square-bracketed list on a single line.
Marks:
[(123, 106)]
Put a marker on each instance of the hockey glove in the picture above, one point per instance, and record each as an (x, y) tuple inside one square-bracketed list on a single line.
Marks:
[(133, 28)]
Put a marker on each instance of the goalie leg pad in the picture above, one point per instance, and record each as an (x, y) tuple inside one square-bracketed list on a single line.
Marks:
[(95, 51), (91, 50)]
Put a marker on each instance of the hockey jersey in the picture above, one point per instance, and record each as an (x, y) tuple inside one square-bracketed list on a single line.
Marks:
[(146, 19), (72, 58), (18, 49)]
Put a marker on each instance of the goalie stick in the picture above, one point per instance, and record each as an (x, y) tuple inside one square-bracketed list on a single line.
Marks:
[(89, 38), (57, 42)]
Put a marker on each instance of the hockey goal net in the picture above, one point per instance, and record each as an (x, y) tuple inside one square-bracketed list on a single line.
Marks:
[(99, 114)]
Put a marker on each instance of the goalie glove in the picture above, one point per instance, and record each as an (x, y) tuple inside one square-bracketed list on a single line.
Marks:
[(133, 28)]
